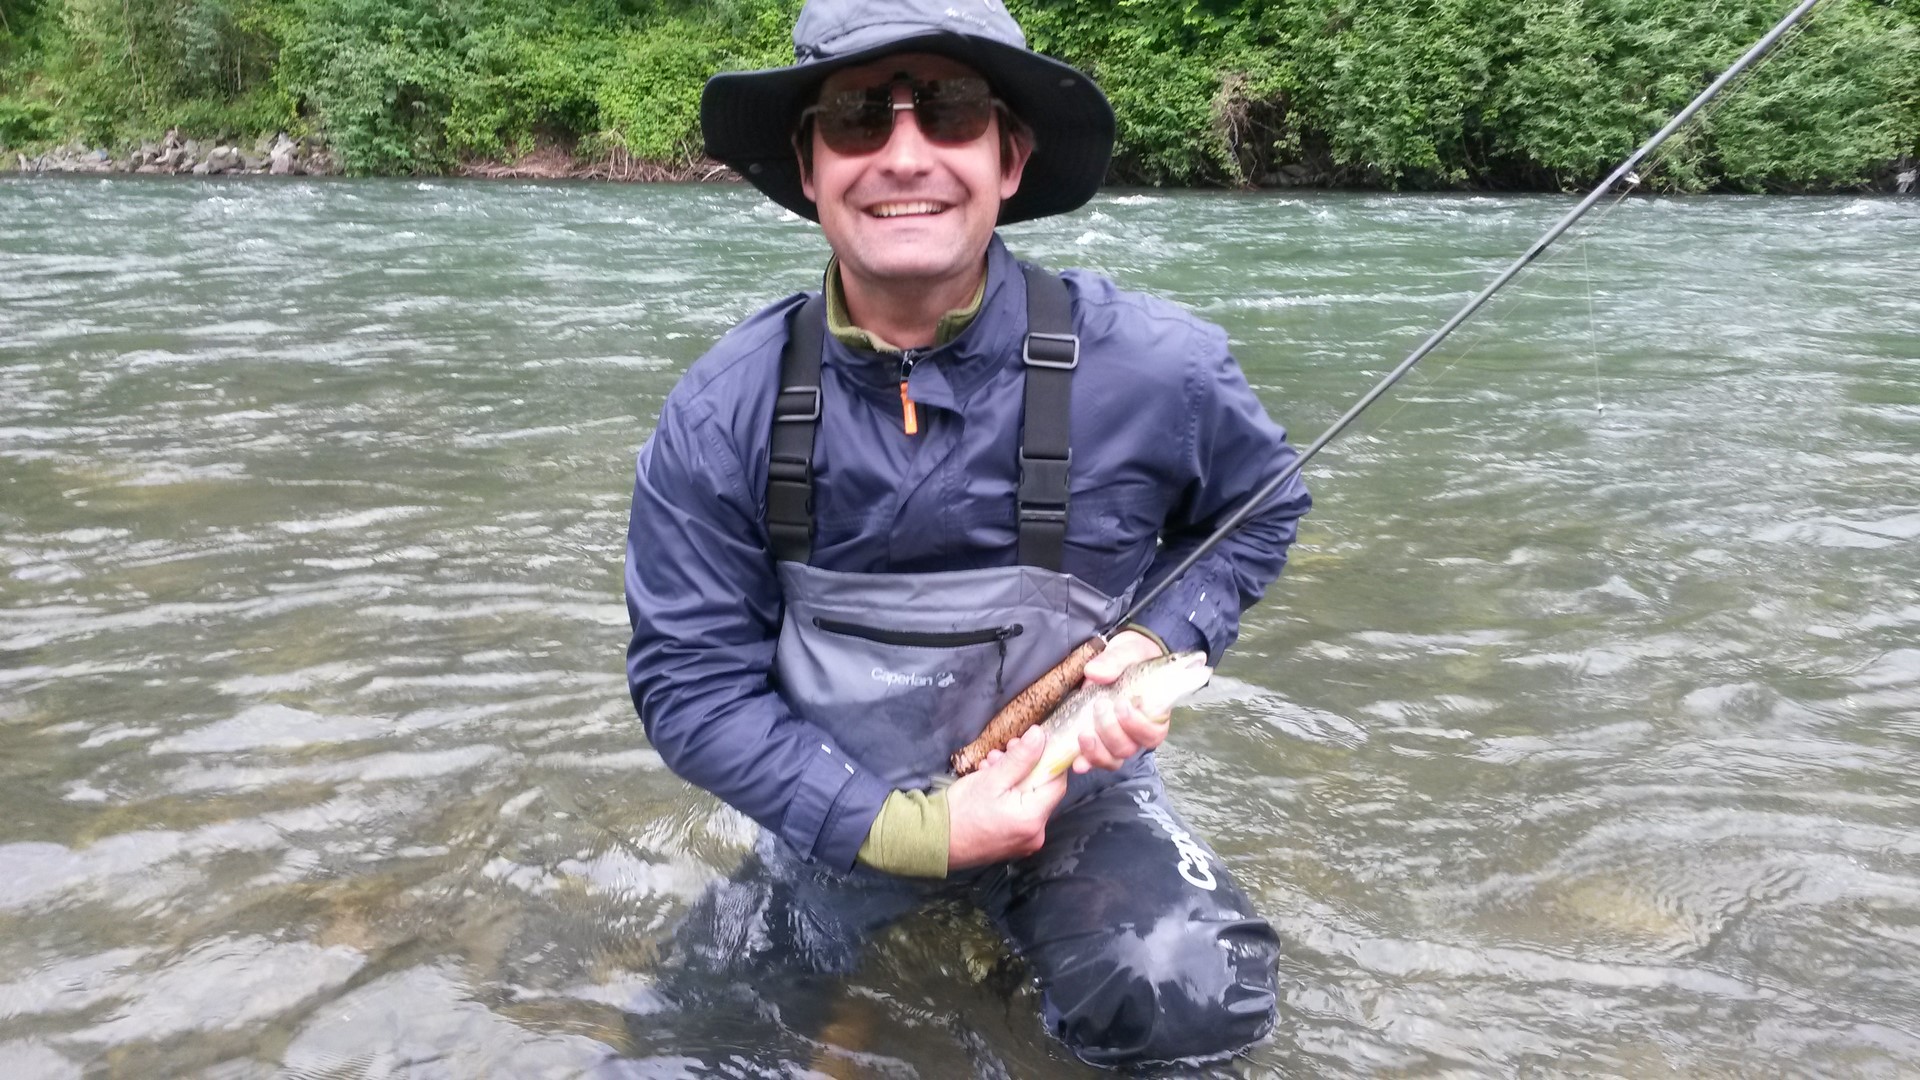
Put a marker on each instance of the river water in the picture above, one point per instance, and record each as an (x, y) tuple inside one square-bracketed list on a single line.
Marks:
[(1581, 737)]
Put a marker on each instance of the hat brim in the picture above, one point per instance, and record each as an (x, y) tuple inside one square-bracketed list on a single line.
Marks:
[(747, 119)]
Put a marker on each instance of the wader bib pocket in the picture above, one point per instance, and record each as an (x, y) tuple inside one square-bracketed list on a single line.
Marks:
[(909, 688), (904, 669), (997, 636)]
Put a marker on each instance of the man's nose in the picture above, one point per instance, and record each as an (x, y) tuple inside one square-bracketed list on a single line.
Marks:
[(907, 148)]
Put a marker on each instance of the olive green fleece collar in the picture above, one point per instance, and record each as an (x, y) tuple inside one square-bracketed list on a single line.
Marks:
[(840, 324)]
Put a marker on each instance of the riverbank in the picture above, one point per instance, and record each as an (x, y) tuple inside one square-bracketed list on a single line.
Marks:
[(282, 155), (278, 154)]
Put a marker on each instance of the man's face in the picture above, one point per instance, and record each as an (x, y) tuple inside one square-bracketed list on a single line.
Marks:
[(914, 209)]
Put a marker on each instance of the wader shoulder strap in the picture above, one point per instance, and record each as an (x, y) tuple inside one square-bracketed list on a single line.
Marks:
[(1051, 352), (796, 416)]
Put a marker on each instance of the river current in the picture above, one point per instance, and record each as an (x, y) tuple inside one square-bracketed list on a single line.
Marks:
[(1580, 738)]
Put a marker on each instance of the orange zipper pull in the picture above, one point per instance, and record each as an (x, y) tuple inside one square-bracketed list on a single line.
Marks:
[(909, 416)]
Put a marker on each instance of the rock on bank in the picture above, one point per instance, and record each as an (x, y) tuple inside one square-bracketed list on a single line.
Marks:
[(277, 155)]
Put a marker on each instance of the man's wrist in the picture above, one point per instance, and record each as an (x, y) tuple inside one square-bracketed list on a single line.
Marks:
[(1173, 635), (1144, 632), (910, 836)]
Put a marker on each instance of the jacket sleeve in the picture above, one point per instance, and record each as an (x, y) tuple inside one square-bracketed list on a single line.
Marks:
[(1232, 448), (704, 603)]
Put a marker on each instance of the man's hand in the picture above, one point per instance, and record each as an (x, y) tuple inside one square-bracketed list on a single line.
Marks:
[(992, 815), (1120, 732)]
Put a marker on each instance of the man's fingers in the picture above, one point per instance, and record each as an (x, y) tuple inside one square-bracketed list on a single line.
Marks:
[(1127, 648), (1021, 755), (1042, 797), (1118, 732), (1146, 732), (1051, 792), (1106, 745)]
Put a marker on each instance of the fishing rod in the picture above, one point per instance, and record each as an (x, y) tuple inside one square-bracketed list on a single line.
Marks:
[(1037, 700)]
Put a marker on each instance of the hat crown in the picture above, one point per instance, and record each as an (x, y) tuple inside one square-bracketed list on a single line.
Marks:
[(830, 28)]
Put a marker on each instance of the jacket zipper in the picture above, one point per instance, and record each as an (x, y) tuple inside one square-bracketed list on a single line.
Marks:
[(998, 636), (909, 416)]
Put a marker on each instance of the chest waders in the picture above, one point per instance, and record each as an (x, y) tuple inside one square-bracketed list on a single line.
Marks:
[(904, 669), (1142, 945)]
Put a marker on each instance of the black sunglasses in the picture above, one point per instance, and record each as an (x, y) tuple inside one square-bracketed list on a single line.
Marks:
[(951, 112)]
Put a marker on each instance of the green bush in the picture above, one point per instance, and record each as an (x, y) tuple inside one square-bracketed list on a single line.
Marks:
[(648, 93), (24, 123)]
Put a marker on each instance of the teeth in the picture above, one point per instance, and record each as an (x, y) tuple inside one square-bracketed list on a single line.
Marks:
[(887, 210)]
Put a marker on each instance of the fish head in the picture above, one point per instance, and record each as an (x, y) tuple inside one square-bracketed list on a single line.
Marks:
[(1159, 684)]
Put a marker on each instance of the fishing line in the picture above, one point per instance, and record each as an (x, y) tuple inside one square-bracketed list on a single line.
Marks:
[(1496, 312), (1593, 334)]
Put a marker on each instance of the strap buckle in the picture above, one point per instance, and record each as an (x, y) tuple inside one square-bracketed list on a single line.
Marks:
[(1060, 351), (787, 470), (788, 410), (1043, 492)]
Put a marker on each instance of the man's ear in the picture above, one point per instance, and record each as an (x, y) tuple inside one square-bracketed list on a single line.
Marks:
[(803, 153), (1016, 148)]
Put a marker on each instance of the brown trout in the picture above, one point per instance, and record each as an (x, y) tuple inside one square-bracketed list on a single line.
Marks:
[(1153, 686)]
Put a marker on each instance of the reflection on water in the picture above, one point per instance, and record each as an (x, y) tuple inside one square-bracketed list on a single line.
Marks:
[(1580, 737)]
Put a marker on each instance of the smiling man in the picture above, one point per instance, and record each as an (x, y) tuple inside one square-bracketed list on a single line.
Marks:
[(871, 515)]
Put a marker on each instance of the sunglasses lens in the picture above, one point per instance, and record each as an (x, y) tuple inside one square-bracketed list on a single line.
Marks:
[(950, 112), (954, 111), (856, 123)]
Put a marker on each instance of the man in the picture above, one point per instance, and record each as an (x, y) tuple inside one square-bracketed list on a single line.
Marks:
[(871, 516)]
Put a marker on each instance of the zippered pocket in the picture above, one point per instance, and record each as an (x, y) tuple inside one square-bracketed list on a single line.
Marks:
[(924, 639), (997, 636)]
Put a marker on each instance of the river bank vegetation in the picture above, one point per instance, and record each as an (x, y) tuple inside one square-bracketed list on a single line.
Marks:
[(1492, 94)]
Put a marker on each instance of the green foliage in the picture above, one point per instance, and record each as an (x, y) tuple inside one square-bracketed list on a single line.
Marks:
[(415, 85), (1842, 101), (1825, 109), (24, 123), (1397, 88), (108, 70), (1426, 93), (1160, 65)]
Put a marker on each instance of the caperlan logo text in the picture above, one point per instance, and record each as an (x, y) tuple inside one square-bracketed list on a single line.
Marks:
[(940, 681)]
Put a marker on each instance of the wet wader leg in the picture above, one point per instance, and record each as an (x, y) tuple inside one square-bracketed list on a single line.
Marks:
[(783, 931), (1145, 949)]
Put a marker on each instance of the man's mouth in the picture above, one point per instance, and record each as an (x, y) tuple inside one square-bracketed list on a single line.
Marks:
[(905, 209)]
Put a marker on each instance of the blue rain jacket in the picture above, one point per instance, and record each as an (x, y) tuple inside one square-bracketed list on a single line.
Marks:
[(1167, 439)]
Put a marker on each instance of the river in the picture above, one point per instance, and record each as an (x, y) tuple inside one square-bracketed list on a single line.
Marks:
[(1581, 737)]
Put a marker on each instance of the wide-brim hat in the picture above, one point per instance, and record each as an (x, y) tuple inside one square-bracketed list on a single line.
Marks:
[(748, 117)]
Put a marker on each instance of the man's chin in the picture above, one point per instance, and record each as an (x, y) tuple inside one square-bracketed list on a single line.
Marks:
[(926, 249), (916, 264)]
